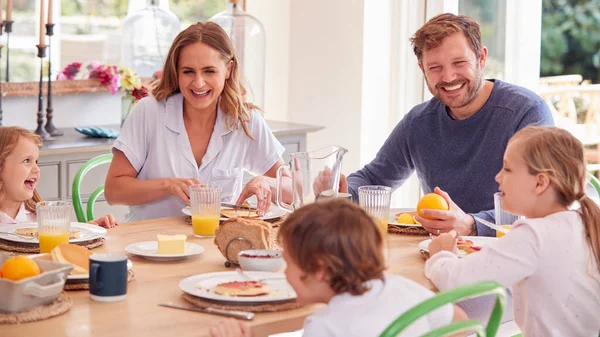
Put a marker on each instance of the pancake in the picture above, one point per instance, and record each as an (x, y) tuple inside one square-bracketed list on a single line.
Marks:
[(240, 213), (73, 254), (32, 231), (243, 288)]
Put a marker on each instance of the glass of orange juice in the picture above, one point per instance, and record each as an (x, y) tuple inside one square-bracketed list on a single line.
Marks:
[(205, 201), (54, 223), (375, 200)]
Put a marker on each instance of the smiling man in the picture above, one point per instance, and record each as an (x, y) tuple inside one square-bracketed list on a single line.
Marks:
[(456, 140)]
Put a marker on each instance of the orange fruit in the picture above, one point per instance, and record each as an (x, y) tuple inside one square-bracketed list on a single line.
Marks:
[(19, 267), (432, 201)]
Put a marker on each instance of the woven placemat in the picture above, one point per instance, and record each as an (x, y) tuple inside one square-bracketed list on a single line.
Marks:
[(85, 285), (407, 230), (61, 305), (275, 222), (265, 307), (17, 247)]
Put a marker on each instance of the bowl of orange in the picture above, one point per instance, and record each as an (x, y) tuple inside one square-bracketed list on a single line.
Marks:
[(432, 201), (26, 283)]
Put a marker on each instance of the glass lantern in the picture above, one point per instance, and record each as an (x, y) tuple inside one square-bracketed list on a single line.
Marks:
[(147, 37), (247, 35)]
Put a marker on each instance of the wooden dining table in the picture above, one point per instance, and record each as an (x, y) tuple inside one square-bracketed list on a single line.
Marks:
[(157, 282)]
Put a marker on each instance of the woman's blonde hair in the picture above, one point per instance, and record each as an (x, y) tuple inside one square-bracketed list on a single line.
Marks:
[(9, 137), (339, 236), (233, 98), (559, 154)]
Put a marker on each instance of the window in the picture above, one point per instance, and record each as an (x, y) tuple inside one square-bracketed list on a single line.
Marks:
[(85, 31)]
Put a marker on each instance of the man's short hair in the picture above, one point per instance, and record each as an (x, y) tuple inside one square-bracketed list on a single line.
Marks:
[(439, 27), (339, 236)]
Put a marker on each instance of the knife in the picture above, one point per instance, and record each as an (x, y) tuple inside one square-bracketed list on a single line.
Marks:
[(242, 206), (491, 225), (248, 316)]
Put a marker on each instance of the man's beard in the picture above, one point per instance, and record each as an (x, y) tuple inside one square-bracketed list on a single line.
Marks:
[(472, 91)]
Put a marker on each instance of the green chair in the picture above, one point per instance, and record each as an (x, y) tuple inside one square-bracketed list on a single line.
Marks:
[(594, 182), (76, 190), (452, 296)]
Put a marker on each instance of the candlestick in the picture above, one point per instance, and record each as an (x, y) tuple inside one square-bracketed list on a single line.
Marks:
[(40, 115), (8, 29), (42, 23), (49, 12), (8, 10), (52, 130)]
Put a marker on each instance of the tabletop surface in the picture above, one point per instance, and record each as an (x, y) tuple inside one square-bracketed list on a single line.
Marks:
[(157, 282)]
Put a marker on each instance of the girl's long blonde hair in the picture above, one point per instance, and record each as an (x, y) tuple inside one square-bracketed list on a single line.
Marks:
[(233, 98), (9, 137), (559, 154)]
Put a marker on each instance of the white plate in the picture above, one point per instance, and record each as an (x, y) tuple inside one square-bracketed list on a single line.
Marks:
[(282, 291), (80, 277), (87, 232), (480, 241), (274, 212), (149, 251), (392, 220)]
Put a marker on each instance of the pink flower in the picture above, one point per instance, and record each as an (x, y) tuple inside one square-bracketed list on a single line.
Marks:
[(70, 71)]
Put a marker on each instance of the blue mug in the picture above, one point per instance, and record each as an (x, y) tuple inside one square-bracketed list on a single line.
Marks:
[(108, 277)]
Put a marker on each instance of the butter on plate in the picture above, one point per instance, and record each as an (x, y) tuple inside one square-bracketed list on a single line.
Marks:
[(171, 244)]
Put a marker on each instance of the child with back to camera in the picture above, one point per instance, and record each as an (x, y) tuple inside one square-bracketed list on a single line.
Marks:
[(334, 255)]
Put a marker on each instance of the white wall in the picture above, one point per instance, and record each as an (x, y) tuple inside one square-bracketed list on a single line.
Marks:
[(325, 77), (69, 110)]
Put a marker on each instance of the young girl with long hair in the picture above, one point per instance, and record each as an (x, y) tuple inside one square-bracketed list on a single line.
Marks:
[(551, 258)]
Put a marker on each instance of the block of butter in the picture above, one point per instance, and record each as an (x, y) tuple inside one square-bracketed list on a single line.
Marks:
[(171, 244)]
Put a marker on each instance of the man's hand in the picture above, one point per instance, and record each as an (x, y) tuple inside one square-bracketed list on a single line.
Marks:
[(452, 219), (323, 182)]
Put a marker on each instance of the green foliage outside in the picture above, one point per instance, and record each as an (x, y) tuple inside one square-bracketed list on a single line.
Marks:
[(571, 38)]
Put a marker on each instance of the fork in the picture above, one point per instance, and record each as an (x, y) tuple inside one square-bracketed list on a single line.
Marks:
[(24, 237)]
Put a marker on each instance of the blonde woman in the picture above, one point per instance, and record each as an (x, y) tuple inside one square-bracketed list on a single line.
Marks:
[(552, 258), (197, 127)]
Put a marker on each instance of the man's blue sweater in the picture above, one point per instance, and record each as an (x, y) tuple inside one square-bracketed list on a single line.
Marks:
[(462, 157)]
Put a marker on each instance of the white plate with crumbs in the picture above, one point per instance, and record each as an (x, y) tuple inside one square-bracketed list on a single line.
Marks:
[(149, 250), (203, 286), (85, 232)]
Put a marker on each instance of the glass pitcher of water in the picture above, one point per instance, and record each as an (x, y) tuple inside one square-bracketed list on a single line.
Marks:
[(315, 174)]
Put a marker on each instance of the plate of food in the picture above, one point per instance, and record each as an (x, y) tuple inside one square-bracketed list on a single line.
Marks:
[(27, 232), (228, 213), (166, 248), (404, 219), (230, 286), (466, 244)]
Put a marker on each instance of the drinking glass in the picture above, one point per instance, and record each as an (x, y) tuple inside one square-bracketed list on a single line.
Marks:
[(54, 223), (205, 201), (376, 201), (503, 218)]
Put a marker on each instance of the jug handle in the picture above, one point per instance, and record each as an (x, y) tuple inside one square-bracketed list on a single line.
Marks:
[(286, 207)]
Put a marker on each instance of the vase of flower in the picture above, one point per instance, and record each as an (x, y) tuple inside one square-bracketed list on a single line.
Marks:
[(127, 103)]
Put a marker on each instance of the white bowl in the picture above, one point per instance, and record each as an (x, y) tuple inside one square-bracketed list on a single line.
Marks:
[(261, 260)]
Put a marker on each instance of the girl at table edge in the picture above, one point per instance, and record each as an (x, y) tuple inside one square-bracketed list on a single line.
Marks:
[(20, 174), (334, 255), (551, 258), (197, 128)]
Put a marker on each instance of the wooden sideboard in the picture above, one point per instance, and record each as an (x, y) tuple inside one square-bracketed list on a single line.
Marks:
[(61, 158)]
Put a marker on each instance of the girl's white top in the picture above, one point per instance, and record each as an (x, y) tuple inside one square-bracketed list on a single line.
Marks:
[(155, 142), (548, 262)]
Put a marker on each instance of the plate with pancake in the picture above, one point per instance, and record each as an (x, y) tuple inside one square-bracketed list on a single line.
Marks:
[(466, 244), (227, 213), (80, 232), (229, 286), (395, 214)]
